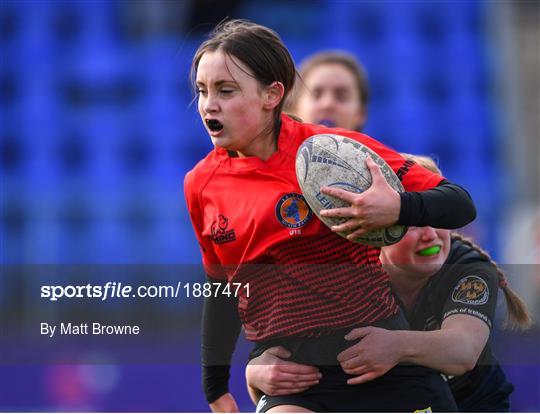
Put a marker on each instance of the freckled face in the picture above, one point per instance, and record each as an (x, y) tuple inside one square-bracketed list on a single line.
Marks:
[(421, 252), (230, 103), (331, 97)]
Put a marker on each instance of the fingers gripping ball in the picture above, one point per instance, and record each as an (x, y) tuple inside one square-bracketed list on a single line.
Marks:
[(337, 161)]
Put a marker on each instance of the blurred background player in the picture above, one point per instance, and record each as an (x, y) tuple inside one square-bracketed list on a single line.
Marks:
[(448, 286), (332, 90)]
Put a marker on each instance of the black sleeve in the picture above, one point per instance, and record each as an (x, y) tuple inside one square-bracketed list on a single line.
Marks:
[(472, 290), (447, 206), (220, 329)]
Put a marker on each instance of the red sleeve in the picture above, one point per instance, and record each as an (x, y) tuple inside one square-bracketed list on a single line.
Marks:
[(413, 176), (211, 263)]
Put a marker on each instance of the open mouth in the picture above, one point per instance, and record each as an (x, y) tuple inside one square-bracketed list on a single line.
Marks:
[(327, 123), (429, 251), (214, 125)]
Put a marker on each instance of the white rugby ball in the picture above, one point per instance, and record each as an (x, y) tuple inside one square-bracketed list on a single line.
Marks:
[(337, 161)]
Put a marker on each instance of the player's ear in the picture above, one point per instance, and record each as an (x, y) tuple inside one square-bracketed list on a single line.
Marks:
[(273, 94)]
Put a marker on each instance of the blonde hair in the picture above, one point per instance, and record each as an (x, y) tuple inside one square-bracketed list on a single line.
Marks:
[(423, 160), (517, 313)]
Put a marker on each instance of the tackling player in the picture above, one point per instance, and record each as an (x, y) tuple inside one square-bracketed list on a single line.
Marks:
[(447, 286)]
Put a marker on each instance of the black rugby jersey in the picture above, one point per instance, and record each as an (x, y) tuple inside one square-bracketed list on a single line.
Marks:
[(466, 284)]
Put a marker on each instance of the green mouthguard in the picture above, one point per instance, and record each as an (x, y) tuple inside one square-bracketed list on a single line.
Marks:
[(430, 251)]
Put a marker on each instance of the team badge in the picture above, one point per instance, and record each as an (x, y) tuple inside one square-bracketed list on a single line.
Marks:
[(220, 231), (292, 210), (471, 290)]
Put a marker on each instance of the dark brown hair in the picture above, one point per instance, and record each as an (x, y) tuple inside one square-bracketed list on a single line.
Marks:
[(259, 48), (329, 57)]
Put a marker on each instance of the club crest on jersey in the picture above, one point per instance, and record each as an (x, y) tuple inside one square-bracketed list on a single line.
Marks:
[(220, 233), (292, 210), (471, 290)]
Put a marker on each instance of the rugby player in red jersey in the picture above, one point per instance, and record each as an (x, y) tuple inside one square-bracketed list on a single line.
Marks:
[(242, 74)]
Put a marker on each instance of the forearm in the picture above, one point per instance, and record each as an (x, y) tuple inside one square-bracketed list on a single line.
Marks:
[(253, 390), (220, 329), (254, 393), (449, 351), (447, 206)]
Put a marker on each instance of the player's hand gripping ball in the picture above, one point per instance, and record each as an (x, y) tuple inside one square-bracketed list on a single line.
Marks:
[(328, 160)]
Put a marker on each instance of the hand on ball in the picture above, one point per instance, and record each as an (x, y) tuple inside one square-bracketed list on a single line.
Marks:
[(377, 207)]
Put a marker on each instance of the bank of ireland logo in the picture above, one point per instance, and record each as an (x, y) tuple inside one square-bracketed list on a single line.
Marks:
[(292, 210), (471, 290)]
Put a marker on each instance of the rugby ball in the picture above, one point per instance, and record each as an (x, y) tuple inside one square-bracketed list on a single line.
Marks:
[(337, 161)]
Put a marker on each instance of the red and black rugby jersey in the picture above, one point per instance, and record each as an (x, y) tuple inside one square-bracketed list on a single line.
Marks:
[(255, 227)]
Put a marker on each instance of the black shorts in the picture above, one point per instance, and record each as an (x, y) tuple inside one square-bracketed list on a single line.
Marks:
[(405, 388), (402, 389), (489, 395)]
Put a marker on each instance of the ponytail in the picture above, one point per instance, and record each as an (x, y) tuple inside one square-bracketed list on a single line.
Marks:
[(517, 314)]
